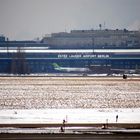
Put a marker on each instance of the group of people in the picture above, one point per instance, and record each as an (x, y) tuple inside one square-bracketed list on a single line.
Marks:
[(62, 128), (105, 126)]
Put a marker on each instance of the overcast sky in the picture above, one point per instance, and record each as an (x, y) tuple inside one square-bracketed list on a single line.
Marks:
[(28, 19)]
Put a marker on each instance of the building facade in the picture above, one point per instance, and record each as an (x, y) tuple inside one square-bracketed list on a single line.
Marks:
[(101, 51), (94, 39)]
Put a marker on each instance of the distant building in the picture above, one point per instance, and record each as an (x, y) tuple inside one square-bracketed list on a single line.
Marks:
[(94, 39), (99, 51), (2, 38)]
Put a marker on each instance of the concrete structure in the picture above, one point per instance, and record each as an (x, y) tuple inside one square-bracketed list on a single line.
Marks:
[(99, 50), (94, 39)]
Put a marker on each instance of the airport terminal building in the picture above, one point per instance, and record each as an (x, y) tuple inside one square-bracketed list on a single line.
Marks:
[(101, 51)]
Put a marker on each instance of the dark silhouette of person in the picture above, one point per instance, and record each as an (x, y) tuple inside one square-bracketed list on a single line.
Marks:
[(124, 76), (117, 118), (61, 129)]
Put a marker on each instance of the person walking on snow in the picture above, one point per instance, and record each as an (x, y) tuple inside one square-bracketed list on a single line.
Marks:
[(117, 118)]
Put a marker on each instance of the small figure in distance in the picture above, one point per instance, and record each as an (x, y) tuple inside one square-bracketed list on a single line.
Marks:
[(64, 122), (124, 76), (61, 129), (117, 118)]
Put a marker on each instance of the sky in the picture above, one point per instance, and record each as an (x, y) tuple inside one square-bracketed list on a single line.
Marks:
[(29, 19)]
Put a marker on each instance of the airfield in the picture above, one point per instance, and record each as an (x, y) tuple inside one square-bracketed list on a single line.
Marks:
[(69, 92), (34, 107)]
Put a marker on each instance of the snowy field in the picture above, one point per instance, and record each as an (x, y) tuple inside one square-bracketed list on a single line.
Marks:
[(51, 116), (69, 92), (75, 99), (71, 116)]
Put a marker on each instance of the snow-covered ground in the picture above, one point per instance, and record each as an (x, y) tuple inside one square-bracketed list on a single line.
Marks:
[(70, 115), (75, 99), (69, 92)]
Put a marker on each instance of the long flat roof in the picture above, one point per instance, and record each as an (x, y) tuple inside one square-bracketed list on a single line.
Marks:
[(74, 51)]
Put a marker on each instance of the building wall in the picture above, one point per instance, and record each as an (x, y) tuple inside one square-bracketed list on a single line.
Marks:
[(65, 41), (95, 38), (2, 38)]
